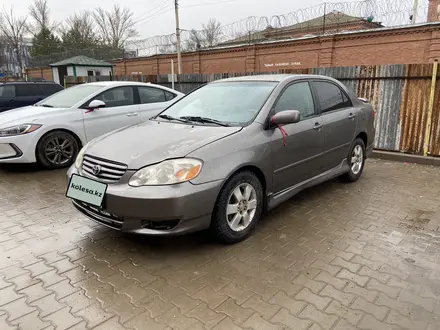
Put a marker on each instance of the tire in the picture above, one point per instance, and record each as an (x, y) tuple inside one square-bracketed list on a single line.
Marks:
[(357, 151), (48, 147), (222, 224)]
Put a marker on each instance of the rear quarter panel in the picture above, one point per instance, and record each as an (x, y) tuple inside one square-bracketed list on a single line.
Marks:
[(365, 119)]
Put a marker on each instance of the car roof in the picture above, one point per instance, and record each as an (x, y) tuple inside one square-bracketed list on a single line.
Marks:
[(117, 83), (131, 83), (27, 82), (273, 77)]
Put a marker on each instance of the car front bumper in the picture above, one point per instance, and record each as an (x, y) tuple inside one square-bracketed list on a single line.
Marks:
[(155, 210), (18, 149)]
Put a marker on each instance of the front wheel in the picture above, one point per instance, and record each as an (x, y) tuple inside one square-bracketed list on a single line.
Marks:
[(238, 208), (356, 161), (57, 149)]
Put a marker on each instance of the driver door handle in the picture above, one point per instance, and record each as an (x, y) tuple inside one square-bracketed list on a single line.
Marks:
[(317, 126), (132, 114), (351, 116)]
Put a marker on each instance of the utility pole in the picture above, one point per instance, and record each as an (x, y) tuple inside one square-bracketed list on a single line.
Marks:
[(179, 55), (414, 12)]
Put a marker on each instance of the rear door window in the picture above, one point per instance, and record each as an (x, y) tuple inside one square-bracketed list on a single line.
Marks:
[(25, 90), (49, 89), (151, 95), (330, 96), (7, 91)]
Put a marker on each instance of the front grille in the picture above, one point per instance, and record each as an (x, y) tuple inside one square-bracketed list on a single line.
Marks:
[(109, 171), (98, 215)]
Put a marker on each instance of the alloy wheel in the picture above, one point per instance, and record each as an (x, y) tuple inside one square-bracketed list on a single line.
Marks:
[(59, 150), (241, 207), (357, 160)]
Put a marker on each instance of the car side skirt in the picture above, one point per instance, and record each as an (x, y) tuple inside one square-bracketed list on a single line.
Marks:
[(276, 199)]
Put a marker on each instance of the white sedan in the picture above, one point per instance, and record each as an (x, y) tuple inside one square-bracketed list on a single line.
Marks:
[(52, 131)]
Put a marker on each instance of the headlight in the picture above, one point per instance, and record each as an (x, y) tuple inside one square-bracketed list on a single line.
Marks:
[(79, 158), (168, 172), (19, 129)]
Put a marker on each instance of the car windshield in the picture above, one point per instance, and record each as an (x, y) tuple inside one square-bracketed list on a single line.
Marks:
[(231, 103), (68, 97)]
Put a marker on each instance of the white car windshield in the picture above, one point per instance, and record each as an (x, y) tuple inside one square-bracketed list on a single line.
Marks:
[(232, 103), (68, 97)]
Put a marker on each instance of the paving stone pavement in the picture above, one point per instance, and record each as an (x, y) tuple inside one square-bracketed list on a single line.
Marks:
[(338, 256)]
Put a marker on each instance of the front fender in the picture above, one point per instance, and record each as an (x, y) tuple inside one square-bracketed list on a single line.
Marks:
[(223, 158)]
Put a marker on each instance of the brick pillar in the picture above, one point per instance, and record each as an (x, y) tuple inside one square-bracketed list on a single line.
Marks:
[(197, 65), (251, 61), (155, 68), (433, 10), (434, 49), (326, 53)]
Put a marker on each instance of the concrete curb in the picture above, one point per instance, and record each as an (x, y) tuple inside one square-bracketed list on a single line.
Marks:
[(407, 158)]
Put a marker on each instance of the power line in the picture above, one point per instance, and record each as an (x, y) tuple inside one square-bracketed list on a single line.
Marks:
[(151, 14)]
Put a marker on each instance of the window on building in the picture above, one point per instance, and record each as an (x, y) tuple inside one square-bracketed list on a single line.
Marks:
[(297, 97)]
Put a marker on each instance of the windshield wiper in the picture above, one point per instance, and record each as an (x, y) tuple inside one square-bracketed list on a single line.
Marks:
[(46, 105), (205, 120), (167, 117)]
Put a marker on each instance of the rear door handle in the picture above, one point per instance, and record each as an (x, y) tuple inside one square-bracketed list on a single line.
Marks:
[(132, 114), (351, 116), (317, 126)]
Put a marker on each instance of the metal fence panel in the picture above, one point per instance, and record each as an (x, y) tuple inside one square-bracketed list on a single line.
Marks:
[(398, 93)]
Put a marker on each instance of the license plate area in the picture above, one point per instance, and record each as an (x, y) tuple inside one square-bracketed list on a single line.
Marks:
[(86, 190)]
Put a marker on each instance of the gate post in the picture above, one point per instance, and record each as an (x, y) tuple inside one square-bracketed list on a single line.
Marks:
[(430, 107)]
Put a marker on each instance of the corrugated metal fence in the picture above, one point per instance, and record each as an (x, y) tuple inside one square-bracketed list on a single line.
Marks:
[(399, 94)]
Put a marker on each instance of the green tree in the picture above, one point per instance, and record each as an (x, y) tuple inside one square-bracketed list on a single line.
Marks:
[(45, 43), (79, 31)]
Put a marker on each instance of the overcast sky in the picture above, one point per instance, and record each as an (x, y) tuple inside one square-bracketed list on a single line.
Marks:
[(156, 17)]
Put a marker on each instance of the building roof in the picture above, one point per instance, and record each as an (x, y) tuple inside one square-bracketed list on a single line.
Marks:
[(331, 20), (83, 61)]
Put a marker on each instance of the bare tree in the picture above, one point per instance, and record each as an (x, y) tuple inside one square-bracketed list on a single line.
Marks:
[(209, 36), (40, 11), (115, 27), (13, 28), (212, 32)]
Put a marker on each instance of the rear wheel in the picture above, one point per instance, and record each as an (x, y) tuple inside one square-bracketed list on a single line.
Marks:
[(238, 208), (356, 161), (57, 149)]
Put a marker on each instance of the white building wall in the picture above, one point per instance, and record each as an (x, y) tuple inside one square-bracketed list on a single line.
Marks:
[(82, 70), (70, 71), (56, 77)]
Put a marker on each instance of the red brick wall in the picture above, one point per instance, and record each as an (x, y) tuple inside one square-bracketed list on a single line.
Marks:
[(399, 46), (410, 45), (433, 10)]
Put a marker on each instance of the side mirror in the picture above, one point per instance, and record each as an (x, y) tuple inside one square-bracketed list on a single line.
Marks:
[(286, 117), (95, 104)]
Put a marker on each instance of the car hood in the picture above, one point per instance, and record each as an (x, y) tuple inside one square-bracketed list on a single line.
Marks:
[(152, 142), (24, 115)]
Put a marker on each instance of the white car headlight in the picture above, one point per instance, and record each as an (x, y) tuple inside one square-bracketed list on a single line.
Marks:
[(18, 129), (168, 172), (80, 157)]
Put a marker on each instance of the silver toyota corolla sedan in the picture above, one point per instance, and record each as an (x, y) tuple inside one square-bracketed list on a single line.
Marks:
[(223, 155)]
